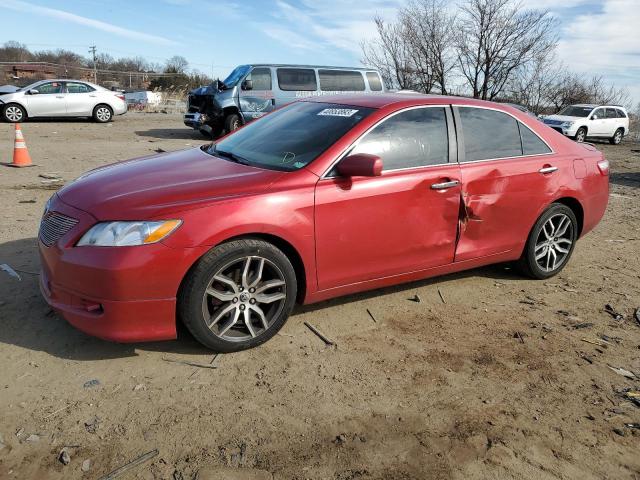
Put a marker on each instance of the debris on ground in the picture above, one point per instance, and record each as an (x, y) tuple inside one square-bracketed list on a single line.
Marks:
[(187, 362), (64, 457), (27, 201), (518, 335), (340, 439), (10, 271), (636, 315), (415, 298), (91, 383), (611, 311), (86, 465), (320, 335), (582, 325), (441, 296), (33, 438), (50, 176), (371, 315), (92, 424), (159, 150), (623, 372), (594, 342), (619, 431), (118, 472), (140, 386)]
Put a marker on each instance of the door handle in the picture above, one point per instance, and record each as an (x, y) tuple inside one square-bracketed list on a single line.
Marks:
[(549, 169), (92, 95), (444, 185), (59, 96)]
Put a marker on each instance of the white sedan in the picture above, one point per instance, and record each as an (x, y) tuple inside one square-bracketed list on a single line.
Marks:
[(62, 98)]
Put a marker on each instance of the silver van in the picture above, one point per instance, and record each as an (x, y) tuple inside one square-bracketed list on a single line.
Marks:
[(250, 91)]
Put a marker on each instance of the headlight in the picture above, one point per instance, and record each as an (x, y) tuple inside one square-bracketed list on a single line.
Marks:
[(121, 234), (567, 124)]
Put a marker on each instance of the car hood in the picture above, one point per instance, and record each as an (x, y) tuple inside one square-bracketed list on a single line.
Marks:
[(562, 118), (152, 186)]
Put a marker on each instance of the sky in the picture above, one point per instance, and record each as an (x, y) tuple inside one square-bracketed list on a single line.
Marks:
[(597, 37)]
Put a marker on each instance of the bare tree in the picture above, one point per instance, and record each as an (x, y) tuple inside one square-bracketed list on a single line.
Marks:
[(176, 64), (429, 29), (390, 54), (496, 38), (533, 84)]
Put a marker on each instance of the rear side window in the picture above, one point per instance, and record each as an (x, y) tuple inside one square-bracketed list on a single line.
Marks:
[(297, 79), (532, 144), (620, 113), (611, 113), (340, 81), (375, 85), (489, 134), (73, 87), (261, 78), (413, 138)]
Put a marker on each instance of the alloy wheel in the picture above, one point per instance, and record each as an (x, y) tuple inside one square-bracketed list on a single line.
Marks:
[(581, 136), (103, 114), (617, 138), (243, 298), (554, 242), (13, 113)]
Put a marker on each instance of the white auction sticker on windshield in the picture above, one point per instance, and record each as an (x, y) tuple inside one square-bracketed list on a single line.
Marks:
[(338, 112)]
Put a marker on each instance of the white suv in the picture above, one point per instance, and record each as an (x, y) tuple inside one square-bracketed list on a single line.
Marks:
[(597, 121)]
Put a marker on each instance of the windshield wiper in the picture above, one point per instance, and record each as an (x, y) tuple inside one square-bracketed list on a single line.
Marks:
[(230, 156)]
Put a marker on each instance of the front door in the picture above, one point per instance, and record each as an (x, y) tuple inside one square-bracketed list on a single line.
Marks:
[(402, 221), (598, 123), (48, 102), (259, 99), (508, 175)]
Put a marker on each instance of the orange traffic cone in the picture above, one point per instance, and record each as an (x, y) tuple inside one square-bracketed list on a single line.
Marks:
[(21, 157)]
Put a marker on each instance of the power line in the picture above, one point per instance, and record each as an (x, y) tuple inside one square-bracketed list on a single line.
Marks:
[(92, 50)]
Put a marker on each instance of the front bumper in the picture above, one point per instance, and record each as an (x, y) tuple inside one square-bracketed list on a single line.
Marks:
[(566, 131), (195, 120), (124, 294)]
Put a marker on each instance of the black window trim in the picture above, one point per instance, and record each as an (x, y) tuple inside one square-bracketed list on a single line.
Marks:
[(459, 133), (451, 138), (377, 74)]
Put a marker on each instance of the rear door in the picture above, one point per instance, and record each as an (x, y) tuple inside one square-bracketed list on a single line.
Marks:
[(80, 98), (259, 100), (508, 174), (49, 102), (402, 221)]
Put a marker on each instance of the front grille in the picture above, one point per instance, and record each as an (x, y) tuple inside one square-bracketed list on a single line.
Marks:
[(54, 226), (557, 129)]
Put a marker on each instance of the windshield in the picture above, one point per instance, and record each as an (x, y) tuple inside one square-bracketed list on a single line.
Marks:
[(237, 74), (574, 111), (290, 138)]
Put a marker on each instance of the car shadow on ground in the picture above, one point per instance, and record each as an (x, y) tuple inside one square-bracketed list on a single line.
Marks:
[(27, 321), (626, 179), (173, 133)]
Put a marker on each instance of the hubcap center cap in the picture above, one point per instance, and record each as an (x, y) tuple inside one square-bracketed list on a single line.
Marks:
[(244, 297)]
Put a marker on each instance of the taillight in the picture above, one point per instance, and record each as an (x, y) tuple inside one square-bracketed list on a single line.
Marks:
[(121, 97), (603, 166)]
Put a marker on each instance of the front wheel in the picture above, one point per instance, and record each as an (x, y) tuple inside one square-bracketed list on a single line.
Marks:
[(581, 135), (550, 243), (14, 113), (238, 295), (232, 122), (617, 137)]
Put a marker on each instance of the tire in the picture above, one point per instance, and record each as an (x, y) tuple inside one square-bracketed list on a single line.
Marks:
[(102, 113), (14, 113), (563, 242), (617, 137), (581, 135), (228, 311), (232, 122)]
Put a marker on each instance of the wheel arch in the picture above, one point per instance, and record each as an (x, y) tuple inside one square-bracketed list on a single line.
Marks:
[(577, 209), (20, 104), (226, 111), (287, 248)]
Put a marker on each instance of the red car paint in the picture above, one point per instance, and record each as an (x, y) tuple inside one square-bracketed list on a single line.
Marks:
[(344, 235)]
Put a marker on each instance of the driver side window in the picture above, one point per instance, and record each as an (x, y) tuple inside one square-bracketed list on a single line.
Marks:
[(49, 88), (409, 139), (599, 112)]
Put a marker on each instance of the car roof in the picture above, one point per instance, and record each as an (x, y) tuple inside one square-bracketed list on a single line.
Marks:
[(380, 100), (286, 65)]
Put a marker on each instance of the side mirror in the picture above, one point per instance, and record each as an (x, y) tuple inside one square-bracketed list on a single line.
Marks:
[(594, 117), (247, 85), (34, 91), (360, 165)]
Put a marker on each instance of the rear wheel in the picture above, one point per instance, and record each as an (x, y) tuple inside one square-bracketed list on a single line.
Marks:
[(14, 113), (617, 137), (581, 135), (238, 295), (550, 243), (102, 113)]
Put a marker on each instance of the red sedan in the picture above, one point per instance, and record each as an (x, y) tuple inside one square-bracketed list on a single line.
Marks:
[(322, 198)]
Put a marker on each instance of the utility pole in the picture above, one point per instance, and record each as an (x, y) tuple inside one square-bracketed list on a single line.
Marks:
[(92, 50)]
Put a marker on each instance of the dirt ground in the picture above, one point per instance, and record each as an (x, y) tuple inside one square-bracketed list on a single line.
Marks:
[(500, 378)]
